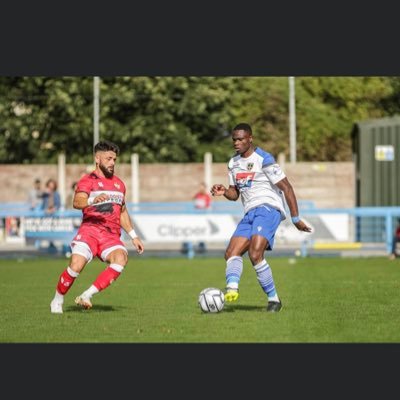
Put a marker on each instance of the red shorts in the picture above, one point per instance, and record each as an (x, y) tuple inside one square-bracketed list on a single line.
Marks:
[(91, 241)]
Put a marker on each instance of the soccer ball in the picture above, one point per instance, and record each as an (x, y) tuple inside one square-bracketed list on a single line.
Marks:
[(211, 300)]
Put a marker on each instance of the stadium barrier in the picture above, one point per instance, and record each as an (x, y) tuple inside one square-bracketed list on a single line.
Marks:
[(165, 224)]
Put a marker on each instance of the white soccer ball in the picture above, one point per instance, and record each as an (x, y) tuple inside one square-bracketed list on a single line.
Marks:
[(211, 300)]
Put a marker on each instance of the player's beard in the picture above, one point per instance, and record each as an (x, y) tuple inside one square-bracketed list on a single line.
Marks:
[(106, 172)]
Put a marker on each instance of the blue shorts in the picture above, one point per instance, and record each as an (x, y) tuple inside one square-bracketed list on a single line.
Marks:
[(263, 221)]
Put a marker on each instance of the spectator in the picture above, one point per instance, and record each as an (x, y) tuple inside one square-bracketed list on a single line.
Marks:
[(51, 198), (202, 199), (396, 239), (51, 203), (35, 195)]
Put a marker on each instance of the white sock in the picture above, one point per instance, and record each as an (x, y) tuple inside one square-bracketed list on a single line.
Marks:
[(273, 298), (59, 297), (233, 272), (90, 292), (72, 272)]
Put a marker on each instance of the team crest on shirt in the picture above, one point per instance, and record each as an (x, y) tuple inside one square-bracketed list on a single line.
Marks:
[(250, 166), (117, 185), (100, 184)]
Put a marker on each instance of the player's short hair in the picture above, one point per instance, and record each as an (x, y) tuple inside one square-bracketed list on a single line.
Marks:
[(106, 145), (243, 127)]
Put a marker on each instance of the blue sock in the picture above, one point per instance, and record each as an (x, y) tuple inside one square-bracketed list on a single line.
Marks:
[(233, 272), (265, 279)]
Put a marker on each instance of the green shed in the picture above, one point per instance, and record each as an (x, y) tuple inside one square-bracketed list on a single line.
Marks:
[(376, 154)]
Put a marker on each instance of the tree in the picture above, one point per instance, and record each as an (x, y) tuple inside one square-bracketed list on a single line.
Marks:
[(178, 119)]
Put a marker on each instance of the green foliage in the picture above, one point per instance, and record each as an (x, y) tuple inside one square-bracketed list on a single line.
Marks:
[(178, 119), (42, 117), (326, 109)]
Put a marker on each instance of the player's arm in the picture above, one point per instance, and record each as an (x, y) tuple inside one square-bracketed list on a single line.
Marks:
[(232, 193), (126, 224), (291, 201), (81, 200)]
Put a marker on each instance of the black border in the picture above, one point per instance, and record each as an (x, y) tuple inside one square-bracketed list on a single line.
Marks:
[(200, 39), (207, 38), (212, 370)]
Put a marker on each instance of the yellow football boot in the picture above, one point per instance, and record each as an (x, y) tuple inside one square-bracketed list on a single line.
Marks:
[(231, 294)]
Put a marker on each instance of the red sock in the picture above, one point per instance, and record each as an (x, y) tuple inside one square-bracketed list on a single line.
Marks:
[(66, 280), (108, 276)]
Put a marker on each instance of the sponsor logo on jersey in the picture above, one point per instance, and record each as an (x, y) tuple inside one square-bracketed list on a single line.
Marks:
[(113, 197), (244, 179), (116, 198)]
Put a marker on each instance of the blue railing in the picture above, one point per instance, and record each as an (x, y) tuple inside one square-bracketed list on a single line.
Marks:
[(371, 224), (20, 209)]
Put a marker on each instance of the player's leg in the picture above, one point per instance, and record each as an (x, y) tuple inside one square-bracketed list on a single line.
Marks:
[(116, 257), (265, 224), (234, 266), (68, 276), (237, 246)]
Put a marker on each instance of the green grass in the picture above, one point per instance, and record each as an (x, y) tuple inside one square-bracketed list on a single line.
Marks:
[(326, 300)]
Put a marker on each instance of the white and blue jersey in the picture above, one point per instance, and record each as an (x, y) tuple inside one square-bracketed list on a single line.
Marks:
[(256, 177)]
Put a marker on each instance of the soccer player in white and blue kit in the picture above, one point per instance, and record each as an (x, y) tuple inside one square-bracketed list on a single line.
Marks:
[(263, 187)]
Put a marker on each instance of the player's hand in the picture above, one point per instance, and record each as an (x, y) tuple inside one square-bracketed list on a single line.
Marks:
[(301, 226), (138, 244), (101, 198), (218, 190)]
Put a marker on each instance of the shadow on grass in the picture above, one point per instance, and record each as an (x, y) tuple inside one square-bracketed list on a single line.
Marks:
[(95, 308), (243, 307)]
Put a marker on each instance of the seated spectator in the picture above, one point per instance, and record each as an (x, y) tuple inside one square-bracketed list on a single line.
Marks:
[(51, 198), (35, 195)]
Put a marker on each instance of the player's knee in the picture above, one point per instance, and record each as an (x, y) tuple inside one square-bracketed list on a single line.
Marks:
[(77, 263), (256, 255), (229, 253), (119, 257)]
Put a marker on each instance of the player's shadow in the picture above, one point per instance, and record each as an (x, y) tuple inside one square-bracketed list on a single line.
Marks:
[(95, 308), (243, 307)]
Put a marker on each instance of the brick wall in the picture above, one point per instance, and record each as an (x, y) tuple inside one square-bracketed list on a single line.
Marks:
[(327, 184)]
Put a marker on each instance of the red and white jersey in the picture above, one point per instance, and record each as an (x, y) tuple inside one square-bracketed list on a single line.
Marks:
[(106, 214), (255, 177)]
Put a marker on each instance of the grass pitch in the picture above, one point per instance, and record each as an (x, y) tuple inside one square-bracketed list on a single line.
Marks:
[(325, 300)]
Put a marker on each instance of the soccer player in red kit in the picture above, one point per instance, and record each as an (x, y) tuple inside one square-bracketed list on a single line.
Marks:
[(101, 197)]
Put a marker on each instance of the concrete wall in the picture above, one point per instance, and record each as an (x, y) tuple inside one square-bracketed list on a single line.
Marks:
[(327, 184)]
